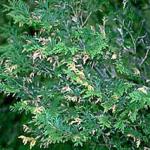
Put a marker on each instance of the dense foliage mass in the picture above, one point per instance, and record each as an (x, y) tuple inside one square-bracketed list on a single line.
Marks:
[(80, 70)]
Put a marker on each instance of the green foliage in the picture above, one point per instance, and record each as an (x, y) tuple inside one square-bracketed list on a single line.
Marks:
[(7, 131), (81, 72)]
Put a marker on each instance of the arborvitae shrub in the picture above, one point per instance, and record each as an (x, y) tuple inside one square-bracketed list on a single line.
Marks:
[(80, 70)]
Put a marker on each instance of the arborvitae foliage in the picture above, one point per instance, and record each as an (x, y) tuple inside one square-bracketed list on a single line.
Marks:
[(81, 71)]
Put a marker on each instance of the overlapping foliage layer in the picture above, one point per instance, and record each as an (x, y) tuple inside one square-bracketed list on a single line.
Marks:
[(80, 70)]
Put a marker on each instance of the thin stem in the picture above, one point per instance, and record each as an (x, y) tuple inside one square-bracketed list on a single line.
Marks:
[(145, 57), (87, 18), (130, 34)]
